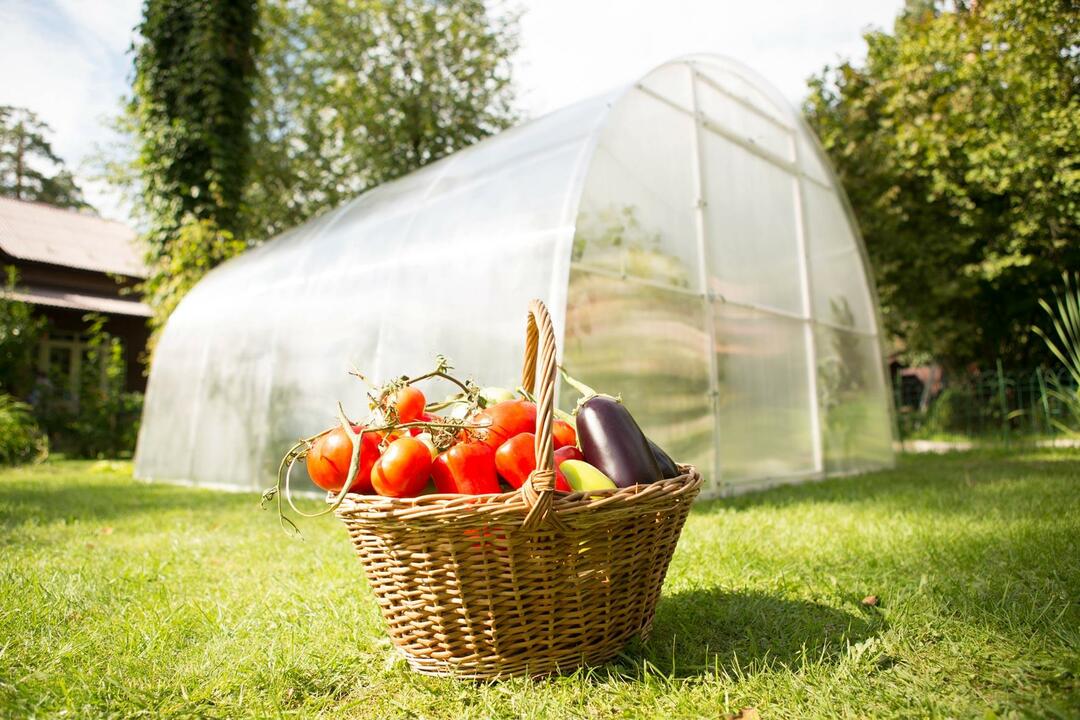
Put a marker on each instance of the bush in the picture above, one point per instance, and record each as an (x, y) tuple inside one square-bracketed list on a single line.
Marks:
[(951, 411), (103, 420), (19, 334), (105, 427), (21, 440)]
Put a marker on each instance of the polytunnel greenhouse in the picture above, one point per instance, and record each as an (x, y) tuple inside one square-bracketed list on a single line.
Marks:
[(686, 232)]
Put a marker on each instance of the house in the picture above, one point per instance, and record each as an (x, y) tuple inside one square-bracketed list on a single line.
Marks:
[(71, 264)]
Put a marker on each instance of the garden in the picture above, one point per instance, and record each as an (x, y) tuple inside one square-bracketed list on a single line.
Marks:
[(944, 588), (783, 294)]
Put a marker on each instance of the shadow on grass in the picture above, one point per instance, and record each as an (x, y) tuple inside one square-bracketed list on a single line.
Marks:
[(962, 483), (708, 630)]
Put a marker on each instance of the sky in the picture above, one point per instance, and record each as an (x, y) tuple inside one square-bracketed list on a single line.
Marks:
[(69, 60)]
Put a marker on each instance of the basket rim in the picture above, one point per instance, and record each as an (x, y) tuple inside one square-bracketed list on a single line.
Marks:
[(512, 501)]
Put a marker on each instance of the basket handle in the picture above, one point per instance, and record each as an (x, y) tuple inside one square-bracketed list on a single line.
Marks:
[(538, 490)]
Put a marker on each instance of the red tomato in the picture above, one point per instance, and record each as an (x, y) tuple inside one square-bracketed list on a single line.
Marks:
[(516, 458), (403, 469), (507, 419), (563, 434), (393, 435), (489, 537), (568, 452), (409, 403), (472, 465), (440, 473), (328, 460), (425, 417)]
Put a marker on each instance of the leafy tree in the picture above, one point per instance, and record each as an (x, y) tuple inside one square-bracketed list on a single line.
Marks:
[(190, 110), (343, 95), (958, 142), (198, 246), (353, 93), (29, 168)]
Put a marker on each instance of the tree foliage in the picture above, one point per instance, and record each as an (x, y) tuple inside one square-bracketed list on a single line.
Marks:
[(958, 142), (21, 440), (195, 249), (29, 168), (239, 141), (353, 93), (190, 110), (20, 330)]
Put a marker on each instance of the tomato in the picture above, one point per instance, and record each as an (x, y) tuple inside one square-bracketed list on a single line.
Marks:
[(424, 417), (489, 538), (409, 404), (568, 452), (328, 460), (403, 469), (390, 435), (440, 473), (472, 465), (425, 437), (505, 420), (563, 434), (516, 459)]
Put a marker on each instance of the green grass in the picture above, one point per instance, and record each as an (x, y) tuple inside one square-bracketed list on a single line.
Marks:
[(122, 599)]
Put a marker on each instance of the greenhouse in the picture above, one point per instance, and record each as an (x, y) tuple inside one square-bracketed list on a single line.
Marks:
[(696, 253)]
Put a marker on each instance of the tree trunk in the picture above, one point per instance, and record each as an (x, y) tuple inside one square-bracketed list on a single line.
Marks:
[(19, 160)]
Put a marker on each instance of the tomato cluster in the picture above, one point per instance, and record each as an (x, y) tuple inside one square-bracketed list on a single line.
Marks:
[(492, 446)]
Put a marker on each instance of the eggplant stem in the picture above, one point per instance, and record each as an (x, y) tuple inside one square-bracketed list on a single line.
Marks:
[(565, 416), (586, 391), (581, 387)]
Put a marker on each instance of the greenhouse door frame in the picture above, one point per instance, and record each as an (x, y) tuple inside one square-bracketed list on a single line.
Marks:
[(793, 168)]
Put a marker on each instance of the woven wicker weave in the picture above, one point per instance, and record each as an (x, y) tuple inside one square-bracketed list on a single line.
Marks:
[(526, 582)]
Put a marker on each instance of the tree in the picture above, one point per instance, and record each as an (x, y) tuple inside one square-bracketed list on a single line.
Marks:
[(353, 93), (957, 142), (190, 110), (29, 168), (340, 96)]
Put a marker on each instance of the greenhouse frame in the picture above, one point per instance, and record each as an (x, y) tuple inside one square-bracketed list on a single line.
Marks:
[(696, 252)]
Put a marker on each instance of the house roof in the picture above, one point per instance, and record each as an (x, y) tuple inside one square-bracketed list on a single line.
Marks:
[(42, 233), (74, 300)]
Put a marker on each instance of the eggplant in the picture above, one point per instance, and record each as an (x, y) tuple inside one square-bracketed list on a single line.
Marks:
[(612, 442), (667, 466)]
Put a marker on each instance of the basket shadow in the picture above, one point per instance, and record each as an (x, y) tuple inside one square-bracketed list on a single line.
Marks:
[(707, 630)]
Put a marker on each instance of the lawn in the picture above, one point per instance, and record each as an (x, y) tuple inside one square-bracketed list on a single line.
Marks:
[(120, 598)]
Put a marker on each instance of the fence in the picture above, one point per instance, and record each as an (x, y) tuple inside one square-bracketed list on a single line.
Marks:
[(991, 405)]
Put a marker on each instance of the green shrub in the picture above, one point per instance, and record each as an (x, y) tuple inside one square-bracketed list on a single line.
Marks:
[(1064, 343), (950, 411), (19, 334), (21, 440), (103, 420)]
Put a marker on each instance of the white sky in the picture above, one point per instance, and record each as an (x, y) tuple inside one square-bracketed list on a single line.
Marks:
[(67, 59)]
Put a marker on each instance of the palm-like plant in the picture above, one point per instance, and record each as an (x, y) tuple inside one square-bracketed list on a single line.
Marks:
[(1065, 318)]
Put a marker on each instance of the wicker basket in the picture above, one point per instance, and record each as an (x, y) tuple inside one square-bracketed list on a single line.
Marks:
[(526, 582)]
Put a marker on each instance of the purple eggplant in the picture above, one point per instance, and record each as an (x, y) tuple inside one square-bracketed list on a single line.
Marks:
[(667, 466), (612, 442)]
